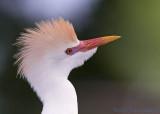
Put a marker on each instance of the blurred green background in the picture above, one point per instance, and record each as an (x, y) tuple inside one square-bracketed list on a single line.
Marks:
[(122, 74)]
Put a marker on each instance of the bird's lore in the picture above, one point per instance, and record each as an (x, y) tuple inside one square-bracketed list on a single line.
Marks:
[(45, 58)]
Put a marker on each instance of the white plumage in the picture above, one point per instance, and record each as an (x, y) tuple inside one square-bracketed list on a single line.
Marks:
[(46, 56)]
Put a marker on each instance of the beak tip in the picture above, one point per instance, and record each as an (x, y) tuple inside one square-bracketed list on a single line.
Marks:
[(117, 37), (111, 38)]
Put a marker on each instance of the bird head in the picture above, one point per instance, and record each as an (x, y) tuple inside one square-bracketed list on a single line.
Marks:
[(54, 45)]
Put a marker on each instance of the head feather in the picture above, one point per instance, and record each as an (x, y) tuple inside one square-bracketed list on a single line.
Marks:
[(47, 35)]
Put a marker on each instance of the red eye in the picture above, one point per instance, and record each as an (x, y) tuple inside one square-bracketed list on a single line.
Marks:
[(69, 50)]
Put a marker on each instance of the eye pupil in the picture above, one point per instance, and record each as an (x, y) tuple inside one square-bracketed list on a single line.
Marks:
[(69, 50)]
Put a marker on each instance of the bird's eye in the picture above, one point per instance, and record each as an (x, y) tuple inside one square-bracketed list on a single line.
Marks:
[(69, 50)]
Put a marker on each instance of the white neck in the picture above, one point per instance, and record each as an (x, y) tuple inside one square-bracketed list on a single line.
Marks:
[(60, 100), (49, 79), (55, 91)]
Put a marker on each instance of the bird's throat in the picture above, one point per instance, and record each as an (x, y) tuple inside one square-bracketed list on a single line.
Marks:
[(61, 100), (56, 93)]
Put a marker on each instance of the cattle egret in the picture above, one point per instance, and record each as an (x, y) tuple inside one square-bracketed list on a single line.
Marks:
[(46, 56)]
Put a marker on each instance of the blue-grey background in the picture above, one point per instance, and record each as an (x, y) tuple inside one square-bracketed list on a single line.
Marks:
[(122, 74)]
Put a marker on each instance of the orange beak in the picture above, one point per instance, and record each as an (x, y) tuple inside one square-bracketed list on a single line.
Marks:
[(93, 43)]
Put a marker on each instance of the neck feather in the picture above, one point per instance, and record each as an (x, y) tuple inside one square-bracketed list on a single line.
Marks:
[(55, 91), (49, 79)]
